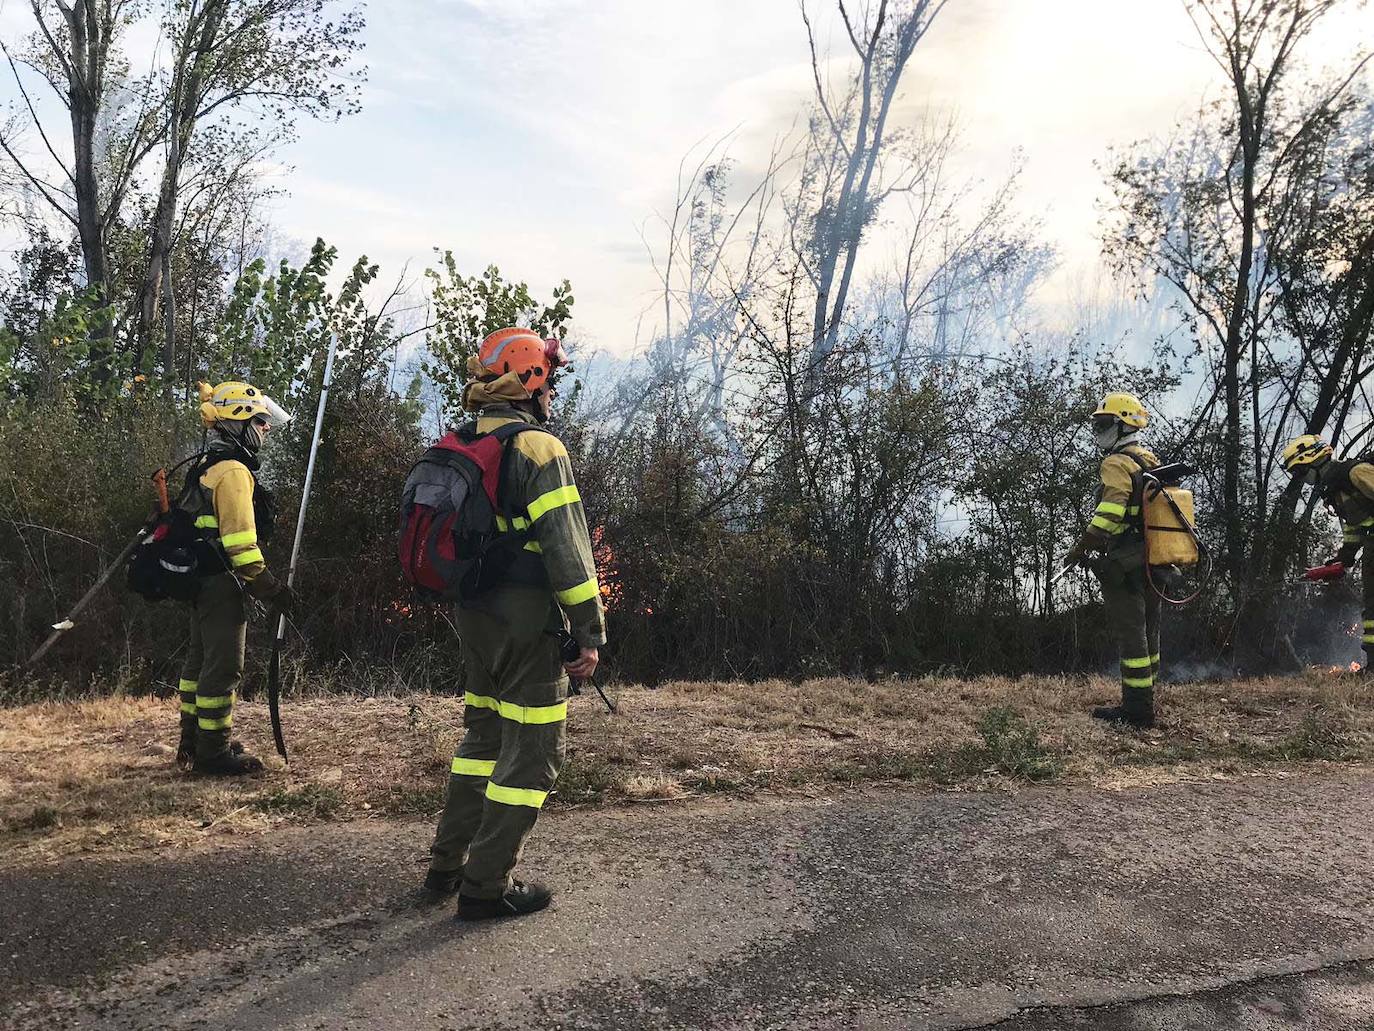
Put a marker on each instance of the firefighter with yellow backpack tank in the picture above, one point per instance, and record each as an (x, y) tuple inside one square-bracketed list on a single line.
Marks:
[(1346, 486), (1141, 525)]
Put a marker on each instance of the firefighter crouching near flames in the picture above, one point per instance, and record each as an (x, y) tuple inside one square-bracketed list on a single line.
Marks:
[(517, 685), (1113, 547), (223, 496), (1347, 487)]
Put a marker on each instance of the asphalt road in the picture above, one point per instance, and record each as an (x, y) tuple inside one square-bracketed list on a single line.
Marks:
[(1220, 906)]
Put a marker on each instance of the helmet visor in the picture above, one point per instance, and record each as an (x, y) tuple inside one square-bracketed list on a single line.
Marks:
[(1104, 422), (275, 415)]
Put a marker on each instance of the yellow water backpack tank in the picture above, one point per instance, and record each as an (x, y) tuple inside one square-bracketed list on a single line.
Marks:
[(1170, 537)]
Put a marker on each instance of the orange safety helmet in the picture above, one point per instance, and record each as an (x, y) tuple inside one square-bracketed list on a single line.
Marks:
[(524, 353)]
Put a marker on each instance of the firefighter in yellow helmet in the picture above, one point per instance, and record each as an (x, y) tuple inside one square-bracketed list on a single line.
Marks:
[(1347, 487), (1113, 546), (517, 680), (231, 510)]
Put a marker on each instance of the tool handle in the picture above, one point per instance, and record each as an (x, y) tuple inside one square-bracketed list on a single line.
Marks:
[(160, 485)]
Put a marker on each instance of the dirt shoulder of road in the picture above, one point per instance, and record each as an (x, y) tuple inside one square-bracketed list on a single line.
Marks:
[(99, 777)]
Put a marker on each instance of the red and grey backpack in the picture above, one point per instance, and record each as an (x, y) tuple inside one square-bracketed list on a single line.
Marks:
[(448, 544)]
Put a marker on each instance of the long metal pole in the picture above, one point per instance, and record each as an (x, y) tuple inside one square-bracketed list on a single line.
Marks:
[(274, 671)]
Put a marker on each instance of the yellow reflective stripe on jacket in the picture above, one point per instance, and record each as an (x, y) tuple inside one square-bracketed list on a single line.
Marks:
[(1136, 663), (519, 522), (1107, 525), (518, 713), (556, 498), (516, 796), (472, 767), (1110, 508), (244, 558), (233, 540), (584, 591), (207, 522)]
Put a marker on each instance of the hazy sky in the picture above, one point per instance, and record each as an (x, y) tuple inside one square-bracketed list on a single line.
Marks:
[(542, 135)]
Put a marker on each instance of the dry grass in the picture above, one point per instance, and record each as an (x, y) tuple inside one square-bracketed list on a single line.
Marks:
[(99, 776)]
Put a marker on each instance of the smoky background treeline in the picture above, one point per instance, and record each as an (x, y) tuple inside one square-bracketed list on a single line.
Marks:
[(851, 436)]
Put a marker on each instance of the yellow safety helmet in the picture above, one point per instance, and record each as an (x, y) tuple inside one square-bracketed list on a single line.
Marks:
[(1126, 407), (234, 401), (1303, 452)]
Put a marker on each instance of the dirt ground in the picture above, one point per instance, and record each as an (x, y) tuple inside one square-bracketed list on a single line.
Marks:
[(99, 776)]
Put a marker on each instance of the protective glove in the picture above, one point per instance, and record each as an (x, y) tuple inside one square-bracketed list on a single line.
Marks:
[(1077, 556), (272, 592)]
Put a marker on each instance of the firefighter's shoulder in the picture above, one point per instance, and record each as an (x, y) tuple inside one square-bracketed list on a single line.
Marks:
[(540, 447), (1362, 477), (1118, 463), (1117, 470), (225, 470)]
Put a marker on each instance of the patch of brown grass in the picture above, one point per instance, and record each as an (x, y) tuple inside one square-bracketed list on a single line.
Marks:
[(99, 775)]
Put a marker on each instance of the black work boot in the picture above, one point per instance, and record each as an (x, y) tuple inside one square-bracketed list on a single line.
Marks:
[(520, 899), (186, 747), (442, 882), (228, 764), (1137, 708), (186, 750)]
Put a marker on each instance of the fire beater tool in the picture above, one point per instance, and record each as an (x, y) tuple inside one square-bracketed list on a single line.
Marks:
[(274, 664)]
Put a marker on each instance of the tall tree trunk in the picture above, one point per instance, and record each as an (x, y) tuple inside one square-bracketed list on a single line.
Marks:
[(197, 47), (89, 34)]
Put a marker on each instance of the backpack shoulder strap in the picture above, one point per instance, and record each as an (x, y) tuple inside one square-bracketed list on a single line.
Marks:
[(1145, 467), (506, 433), (196, 466), (508, 430)]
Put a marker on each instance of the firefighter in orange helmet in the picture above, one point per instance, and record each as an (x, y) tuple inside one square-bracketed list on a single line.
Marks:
[(517, 682)]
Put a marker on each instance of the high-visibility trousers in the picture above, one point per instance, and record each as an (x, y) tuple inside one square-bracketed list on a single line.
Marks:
[(1132, 609), (213, 670), (515, 718)]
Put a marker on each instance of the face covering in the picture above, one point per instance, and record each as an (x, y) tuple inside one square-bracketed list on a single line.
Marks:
[(1107, 437), (1309, 476)]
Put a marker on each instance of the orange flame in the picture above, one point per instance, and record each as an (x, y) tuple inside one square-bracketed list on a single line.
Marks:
[(607, 570), (1354, 667)]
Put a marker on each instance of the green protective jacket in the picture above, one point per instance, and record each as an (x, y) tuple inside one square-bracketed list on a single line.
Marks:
[(539, 496), (1348, 487), (221, 500), (1118, 497)]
